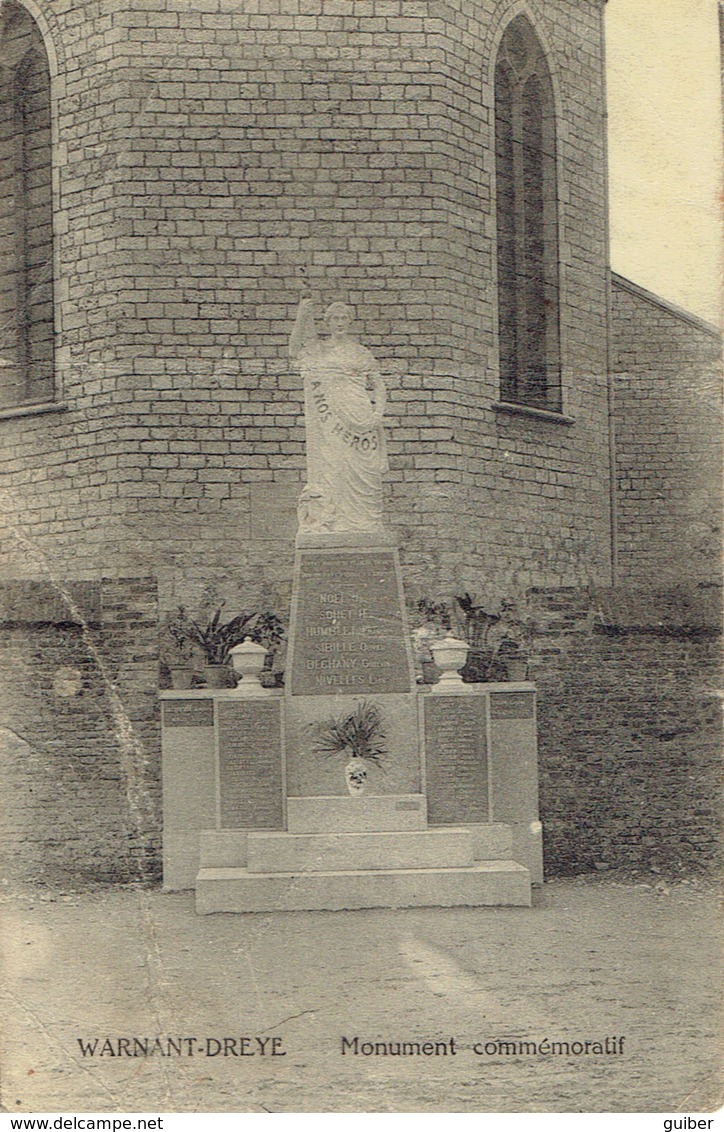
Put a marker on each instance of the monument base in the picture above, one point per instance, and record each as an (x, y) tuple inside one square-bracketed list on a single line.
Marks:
[(493, 883), (267, 872), (361, 540)]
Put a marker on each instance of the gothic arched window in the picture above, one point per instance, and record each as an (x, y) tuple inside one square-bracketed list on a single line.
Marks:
[(527, 222), (26, 233)]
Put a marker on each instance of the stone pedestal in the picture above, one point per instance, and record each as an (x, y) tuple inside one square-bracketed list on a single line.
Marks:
[(223, 770), (258, 820), (348, 628), (481, 759)]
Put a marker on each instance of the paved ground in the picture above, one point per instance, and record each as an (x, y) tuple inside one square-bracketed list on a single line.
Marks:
[(593, 959)]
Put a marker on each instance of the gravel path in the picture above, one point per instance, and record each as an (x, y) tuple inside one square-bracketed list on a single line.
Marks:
[(594, 959)]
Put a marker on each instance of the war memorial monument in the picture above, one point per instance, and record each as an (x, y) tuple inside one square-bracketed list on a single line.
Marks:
[(256, 817)]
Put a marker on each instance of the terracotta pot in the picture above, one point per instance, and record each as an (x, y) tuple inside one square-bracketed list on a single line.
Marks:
[(355, 774), (182, 678), (516, 669), (216, 675)]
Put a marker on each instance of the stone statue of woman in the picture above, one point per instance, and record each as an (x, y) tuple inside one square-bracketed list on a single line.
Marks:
[(344, 399)]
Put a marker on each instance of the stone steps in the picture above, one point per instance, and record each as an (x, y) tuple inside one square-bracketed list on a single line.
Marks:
[(333, 852), (238, 890), (383, 813), (273, 852)]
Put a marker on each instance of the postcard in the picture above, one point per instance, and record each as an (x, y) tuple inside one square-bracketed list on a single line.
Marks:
[(360, 606)]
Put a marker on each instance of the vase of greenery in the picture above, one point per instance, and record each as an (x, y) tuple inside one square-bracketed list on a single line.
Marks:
[(359, 737)]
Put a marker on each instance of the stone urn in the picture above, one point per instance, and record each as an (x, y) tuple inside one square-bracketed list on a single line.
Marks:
[(355, 774), (247, 660), (449, 655)]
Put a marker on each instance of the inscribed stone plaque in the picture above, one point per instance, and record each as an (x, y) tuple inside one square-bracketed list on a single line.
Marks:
[(250, 764), (456, 759), (512, 705), (349, 630), (188, 713)]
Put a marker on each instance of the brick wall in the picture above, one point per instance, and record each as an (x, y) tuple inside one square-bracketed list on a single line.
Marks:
[(208, 154), (668, 422), (80, 737), (630, 730)]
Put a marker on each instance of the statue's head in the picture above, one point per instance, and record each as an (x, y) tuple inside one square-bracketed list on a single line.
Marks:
[(338, 318)]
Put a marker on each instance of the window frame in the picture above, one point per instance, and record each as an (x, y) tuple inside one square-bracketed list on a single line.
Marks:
[(34, 387), (529, 339)]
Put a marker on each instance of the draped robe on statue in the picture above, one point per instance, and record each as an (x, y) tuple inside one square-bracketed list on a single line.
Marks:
[(346, 453)]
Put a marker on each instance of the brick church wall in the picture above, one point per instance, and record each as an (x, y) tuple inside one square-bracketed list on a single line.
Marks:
[(668, 425), (206, 156)]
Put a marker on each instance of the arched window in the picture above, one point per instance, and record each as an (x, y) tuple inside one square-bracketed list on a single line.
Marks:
[(26, 235), (525, 153)]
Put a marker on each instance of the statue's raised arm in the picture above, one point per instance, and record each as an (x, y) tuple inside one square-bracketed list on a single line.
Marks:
[(344, 399), (304, 331)]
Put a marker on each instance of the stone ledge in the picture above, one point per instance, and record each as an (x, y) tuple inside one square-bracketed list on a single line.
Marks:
[(272, 853), (33, 410), (372, 813), (236, 890), (515, 409), (39, 602)]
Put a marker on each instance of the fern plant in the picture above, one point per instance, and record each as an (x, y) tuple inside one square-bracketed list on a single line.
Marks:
[(216, 638)]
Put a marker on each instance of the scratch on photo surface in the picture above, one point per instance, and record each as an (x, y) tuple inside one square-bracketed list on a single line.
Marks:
[(289, 1018), (134, 760), (37, 1022)]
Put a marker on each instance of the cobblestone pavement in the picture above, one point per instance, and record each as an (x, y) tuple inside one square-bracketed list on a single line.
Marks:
[(594, 959)]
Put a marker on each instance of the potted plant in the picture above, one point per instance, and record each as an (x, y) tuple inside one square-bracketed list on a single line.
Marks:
[(433, 624), (518, 627), (513, 659), (177, 650), (476, 623), (216, 639), (269, 631), (360, 737)]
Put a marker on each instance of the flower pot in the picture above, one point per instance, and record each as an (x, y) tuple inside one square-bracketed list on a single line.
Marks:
[(181, 678), (449, 655), (479, 667), (517, 669), (248, 660), (355, 774), (216, 675)]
